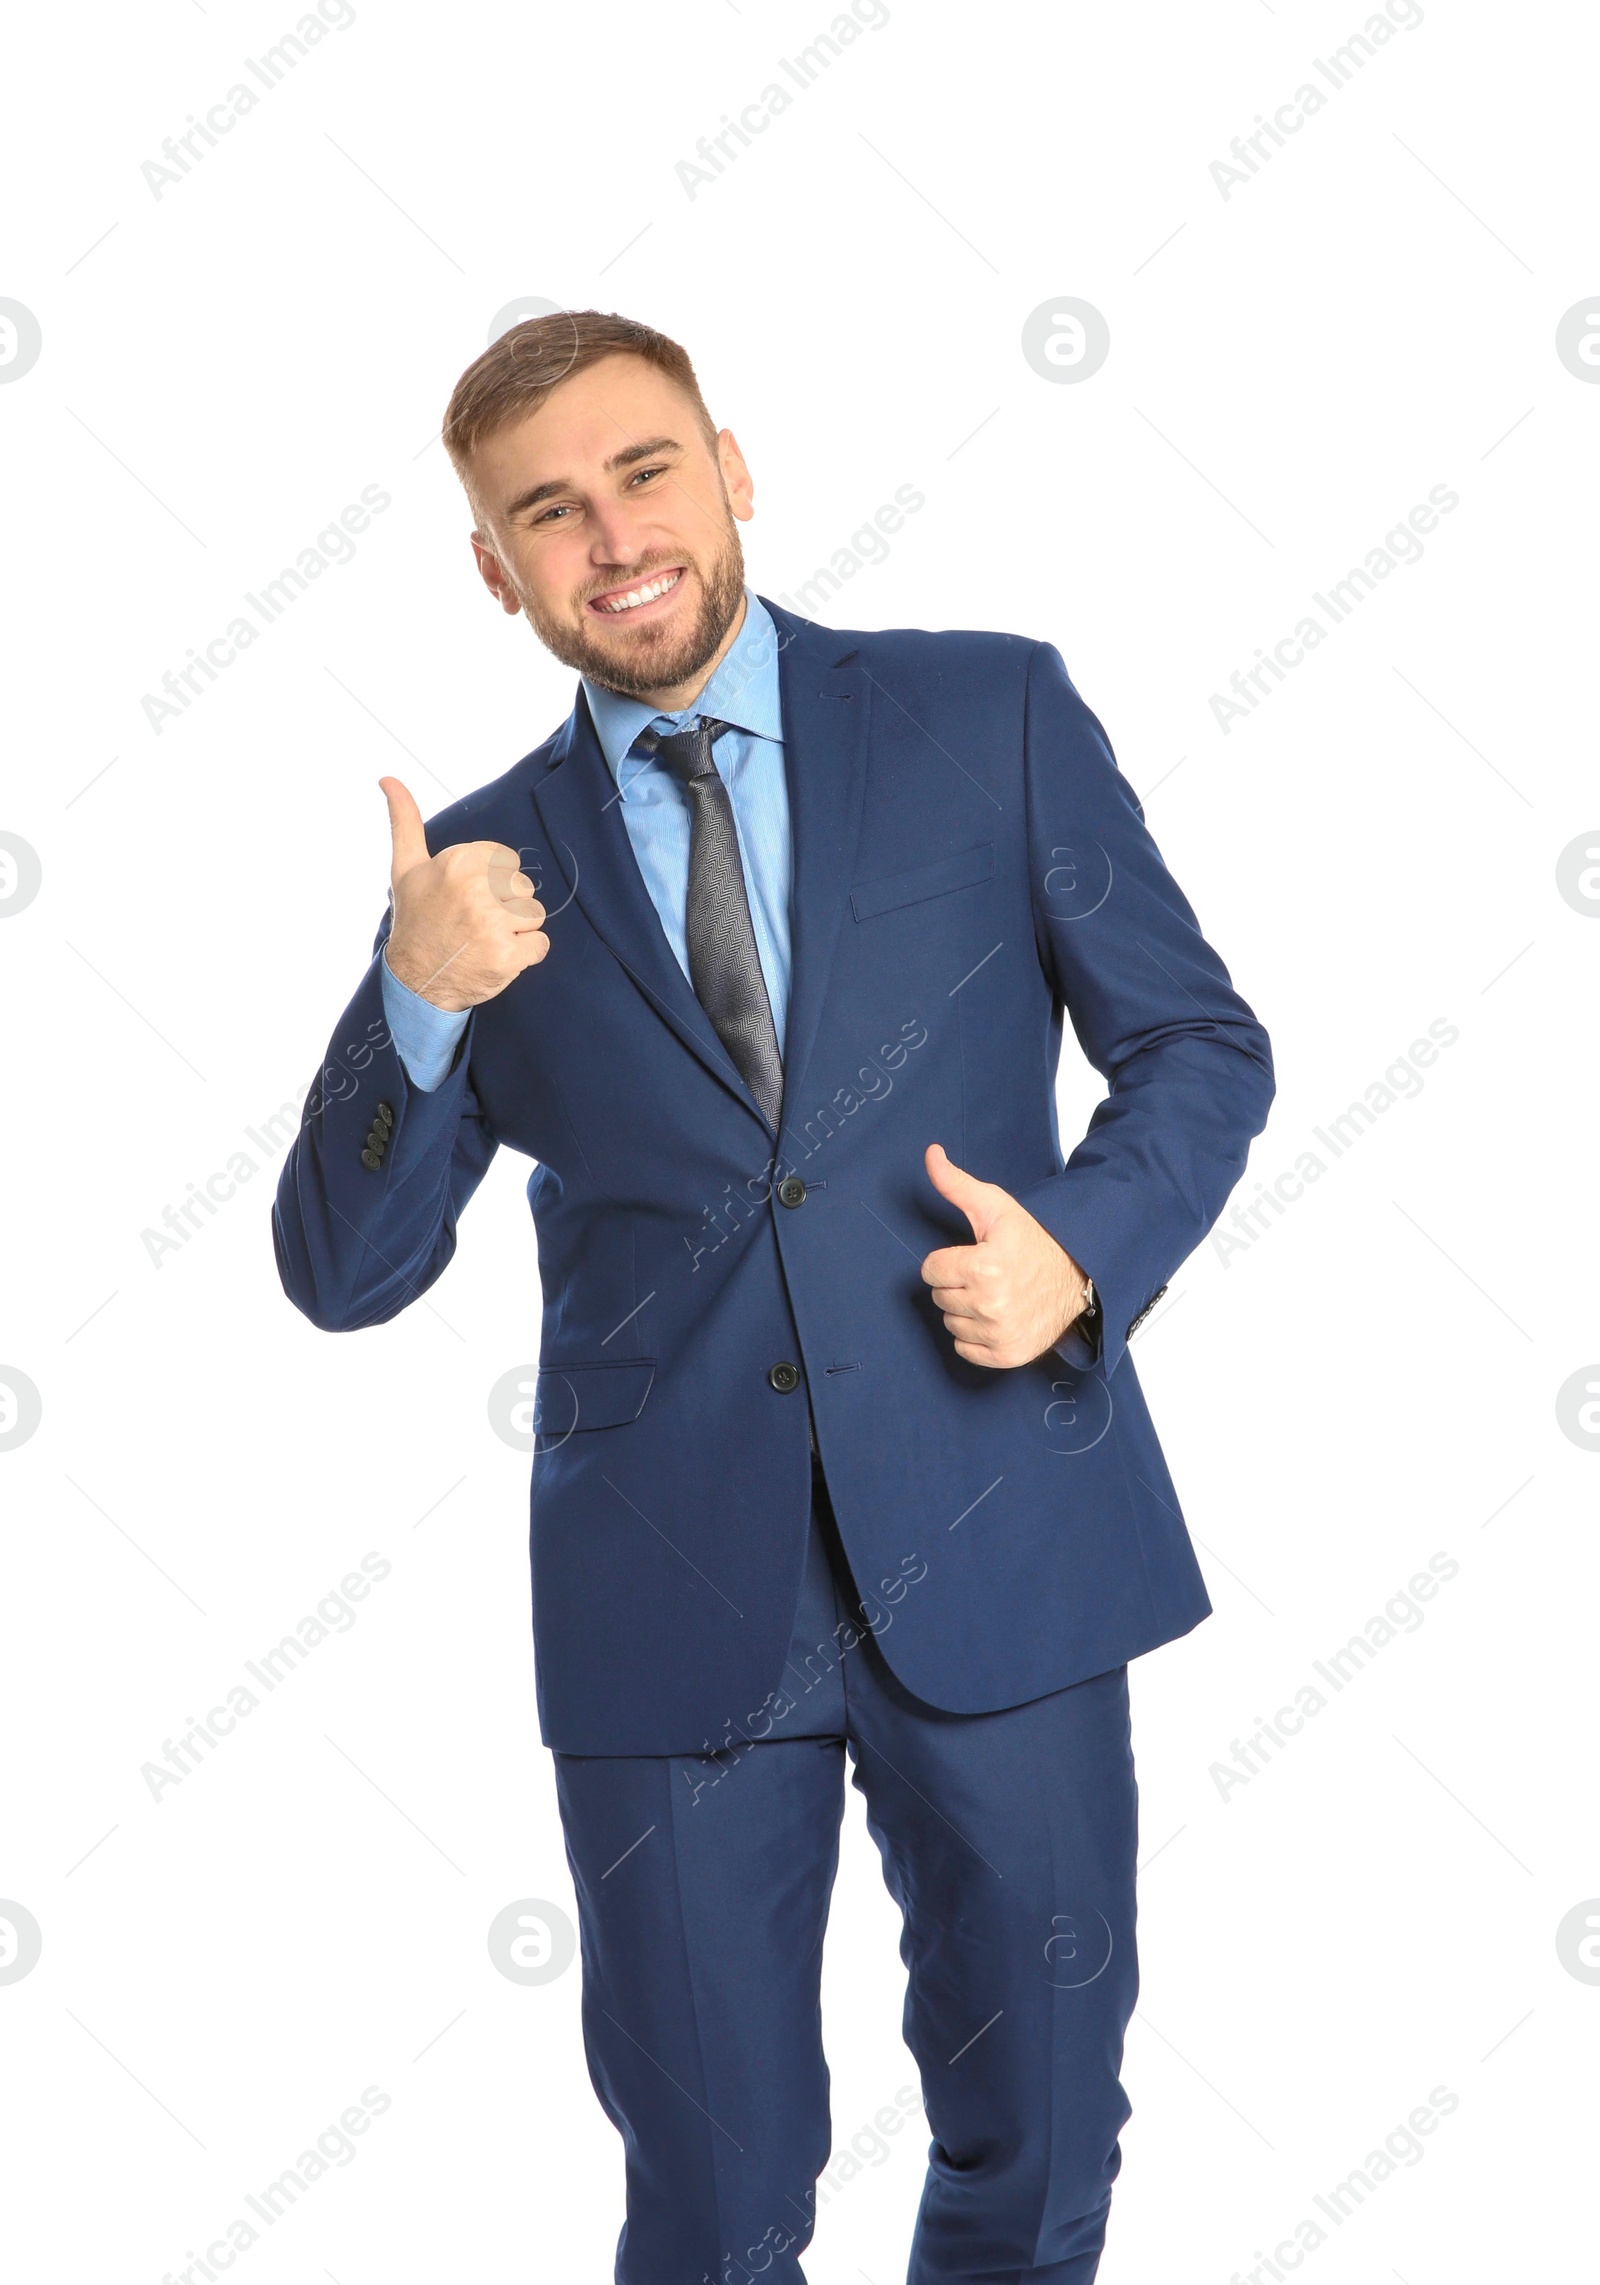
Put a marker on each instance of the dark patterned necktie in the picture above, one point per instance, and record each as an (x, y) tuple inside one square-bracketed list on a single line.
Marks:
[(724, 966)]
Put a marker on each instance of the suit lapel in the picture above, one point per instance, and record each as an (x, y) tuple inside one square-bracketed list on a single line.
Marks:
[(578, 803), (825, 694), (825, 713)]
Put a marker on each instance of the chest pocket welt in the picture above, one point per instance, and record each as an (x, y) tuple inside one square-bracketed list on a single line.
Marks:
[(567, 1397), (962, 871)]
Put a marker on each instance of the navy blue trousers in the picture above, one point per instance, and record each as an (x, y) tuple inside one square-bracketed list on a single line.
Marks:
[(703, 1883)]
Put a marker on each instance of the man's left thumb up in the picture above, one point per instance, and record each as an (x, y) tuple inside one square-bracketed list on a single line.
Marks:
[(979, 1201)]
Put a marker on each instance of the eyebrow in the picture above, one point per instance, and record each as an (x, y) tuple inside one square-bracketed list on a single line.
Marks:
[(623, 459)]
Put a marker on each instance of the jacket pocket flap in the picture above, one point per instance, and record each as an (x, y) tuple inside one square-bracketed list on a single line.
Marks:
[(958, 872), (568, 1397)]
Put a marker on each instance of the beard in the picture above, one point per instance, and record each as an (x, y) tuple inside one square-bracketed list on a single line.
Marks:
[(650, 658)]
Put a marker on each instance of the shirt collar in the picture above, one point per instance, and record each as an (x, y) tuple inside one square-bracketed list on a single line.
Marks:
[(743, 691)]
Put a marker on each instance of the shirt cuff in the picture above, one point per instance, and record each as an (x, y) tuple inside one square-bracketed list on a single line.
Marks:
[(425, 1037)]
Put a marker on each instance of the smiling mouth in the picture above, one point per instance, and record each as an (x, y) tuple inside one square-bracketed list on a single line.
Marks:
[(620, 600)]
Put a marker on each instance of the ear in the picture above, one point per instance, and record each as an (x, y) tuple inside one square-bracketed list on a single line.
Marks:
[(493, 572), (737, 480)]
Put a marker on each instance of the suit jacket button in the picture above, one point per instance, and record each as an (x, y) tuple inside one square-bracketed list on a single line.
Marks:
[(791, 1191), (784, 1376), (383, 1115), (370, 1158), (378, 1139)]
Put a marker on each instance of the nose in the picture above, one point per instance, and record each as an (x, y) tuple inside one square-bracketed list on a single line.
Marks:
[(613, 544)]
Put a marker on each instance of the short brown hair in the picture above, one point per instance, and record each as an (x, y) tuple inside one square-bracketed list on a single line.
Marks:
[(516, 374)]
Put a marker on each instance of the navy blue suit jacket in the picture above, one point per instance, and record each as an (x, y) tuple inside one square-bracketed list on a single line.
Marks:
[(969, 865)]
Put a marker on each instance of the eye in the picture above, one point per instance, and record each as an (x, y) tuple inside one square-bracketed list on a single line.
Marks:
[(640, 473), (560, 510)]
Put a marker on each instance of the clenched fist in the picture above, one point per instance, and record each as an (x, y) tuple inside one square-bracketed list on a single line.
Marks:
[(465, 922), (1011, 1295)]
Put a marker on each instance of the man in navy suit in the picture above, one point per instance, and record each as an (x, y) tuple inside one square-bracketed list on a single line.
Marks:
[(762, 959)]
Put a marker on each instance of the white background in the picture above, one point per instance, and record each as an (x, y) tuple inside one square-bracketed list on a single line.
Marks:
[(1371, 1382)]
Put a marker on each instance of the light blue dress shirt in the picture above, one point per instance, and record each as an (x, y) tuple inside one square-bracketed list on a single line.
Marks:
[(743, 692)]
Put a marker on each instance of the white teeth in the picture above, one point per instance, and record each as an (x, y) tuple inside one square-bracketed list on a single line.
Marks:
[(638, 595)]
